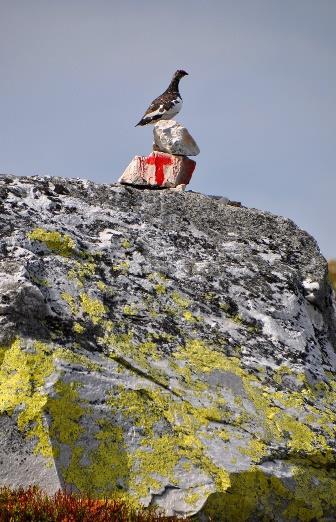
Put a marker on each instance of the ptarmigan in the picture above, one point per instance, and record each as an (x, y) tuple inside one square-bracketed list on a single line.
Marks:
[(166, 106)]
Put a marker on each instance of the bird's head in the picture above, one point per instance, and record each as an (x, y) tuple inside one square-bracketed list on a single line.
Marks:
[(180, 73)]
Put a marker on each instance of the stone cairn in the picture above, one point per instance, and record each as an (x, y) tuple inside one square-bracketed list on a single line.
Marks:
[(168, 166)]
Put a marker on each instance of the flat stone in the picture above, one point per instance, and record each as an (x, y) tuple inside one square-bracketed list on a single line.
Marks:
[(171, 137), (159, 170)]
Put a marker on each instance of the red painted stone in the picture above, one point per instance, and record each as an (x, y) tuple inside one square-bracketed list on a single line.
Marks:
[(159, 170), (159, 160)]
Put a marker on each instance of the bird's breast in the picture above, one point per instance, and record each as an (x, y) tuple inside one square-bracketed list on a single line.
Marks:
[(174, 108)]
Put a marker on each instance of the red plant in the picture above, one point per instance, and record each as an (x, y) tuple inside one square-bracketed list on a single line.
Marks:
[(32, 505)]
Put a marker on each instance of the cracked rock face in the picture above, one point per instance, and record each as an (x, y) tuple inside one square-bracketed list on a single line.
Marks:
[(165, 347)]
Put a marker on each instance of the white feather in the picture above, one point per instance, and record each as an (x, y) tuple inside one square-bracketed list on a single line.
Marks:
[(154, 113)]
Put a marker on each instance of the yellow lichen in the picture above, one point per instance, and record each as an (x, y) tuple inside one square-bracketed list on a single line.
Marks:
[(189, 317), (66, 410), (123, 267), (78, 328), (313, 497), (93, 307), (160, 336), (22, 377), (126, 244), (70, 300), (255, 449), (278, 425), (210, 297), (254, 495), (250, 493), (81, 272), (130, 310), (292, 400), (280, 372), (171, 431), (203, 359), (107, 472), (224, 306), (39, 282), (237, 319), (101, 285), (161, 453), (56, 242), (3, 350), (23, 374), (160, 288), (144, 355), (192, 497), (179, 300), (156, 276), (75, 357), (301, 437)]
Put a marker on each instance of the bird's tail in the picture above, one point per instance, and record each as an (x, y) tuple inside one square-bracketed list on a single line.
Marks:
[(151, 119)]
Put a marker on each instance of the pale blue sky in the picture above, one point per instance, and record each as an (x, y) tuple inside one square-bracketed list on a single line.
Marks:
[(260, 98)]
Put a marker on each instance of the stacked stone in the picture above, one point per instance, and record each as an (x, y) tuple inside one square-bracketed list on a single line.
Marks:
[(168, 166)]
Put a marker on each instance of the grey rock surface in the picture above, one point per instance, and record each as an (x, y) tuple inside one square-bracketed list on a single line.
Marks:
[(173, 138), (165, 347)]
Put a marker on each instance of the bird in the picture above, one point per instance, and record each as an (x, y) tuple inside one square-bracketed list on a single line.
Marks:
[(167, 105)]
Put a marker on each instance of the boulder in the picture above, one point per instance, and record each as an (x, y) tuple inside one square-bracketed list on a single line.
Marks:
[(171, 137), (181, 353), (158, 170)]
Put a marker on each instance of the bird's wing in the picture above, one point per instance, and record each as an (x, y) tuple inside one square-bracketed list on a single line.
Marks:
[(156, 107), (164, 104)]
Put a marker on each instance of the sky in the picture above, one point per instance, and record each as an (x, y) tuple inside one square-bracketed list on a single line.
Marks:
[(260, 98)]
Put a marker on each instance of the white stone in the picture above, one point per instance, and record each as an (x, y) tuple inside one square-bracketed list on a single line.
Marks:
[(171, 137)]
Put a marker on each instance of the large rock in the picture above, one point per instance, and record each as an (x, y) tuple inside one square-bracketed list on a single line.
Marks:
[(158, 170), (166, 347), (171, 137)]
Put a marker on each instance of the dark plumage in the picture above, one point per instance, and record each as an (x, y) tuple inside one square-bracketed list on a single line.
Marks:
[(167, 105)]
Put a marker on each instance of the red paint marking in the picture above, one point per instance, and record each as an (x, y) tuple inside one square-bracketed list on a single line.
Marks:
[(159, 161)]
